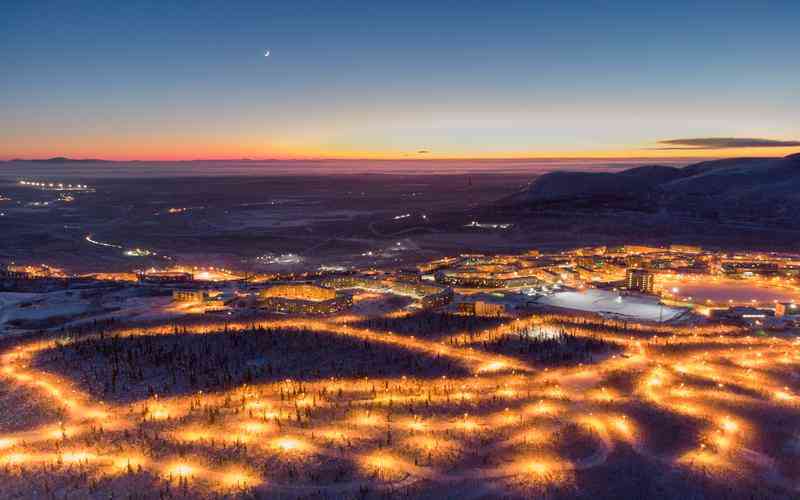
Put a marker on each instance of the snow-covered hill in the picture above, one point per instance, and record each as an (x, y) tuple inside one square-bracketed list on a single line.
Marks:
[(750, 188)]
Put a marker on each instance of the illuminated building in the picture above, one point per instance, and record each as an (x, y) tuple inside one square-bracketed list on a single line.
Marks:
[(685, 249), (634, 260), (188, 296), (601, 250), (569, 276), (301, 291), (303, 298), (430, 296), (481, 308), (743, 313), (489, 277), (786, 309), (13, 273), (746, 269), (209, 300), (163, 277), (632, 249), (214, 304), (23, 273), (639, 280), (435, 265), (346, 281), (438, 298)]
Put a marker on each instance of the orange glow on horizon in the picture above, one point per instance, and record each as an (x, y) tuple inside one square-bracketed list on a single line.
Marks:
[(232, 153)]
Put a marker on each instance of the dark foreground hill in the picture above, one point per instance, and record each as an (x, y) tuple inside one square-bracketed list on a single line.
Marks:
[(757, 190)]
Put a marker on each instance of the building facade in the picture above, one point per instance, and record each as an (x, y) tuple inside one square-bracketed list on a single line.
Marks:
[(639, 280)]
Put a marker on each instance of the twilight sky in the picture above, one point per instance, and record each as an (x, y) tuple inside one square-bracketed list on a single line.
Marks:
[(374, 79)]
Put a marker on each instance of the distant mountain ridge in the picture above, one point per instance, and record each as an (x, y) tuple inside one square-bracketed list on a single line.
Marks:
[(628, 183), (61, 159), (738, 188), (64, 159)]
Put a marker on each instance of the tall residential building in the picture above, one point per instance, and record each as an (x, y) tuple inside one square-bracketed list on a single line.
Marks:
[(639, 280)]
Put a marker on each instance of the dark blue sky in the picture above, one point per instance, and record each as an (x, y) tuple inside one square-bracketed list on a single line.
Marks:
[(189, 79)]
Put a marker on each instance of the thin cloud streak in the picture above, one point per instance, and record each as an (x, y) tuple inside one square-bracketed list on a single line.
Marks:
[(723, 143)]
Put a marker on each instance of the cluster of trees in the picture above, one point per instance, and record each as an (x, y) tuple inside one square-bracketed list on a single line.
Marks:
[(431, 323), (552, 349), (134, 366)]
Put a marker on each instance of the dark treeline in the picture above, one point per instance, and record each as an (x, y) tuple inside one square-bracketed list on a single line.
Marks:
[(132, 367), (559, 349), (431, 323)]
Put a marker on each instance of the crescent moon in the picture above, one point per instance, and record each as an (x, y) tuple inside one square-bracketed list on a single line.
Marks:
[(266, 54)]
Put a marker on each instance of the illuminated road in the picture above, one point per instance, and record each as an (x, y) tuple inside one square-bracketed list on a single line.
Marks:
[(100, 243), (505, 425)]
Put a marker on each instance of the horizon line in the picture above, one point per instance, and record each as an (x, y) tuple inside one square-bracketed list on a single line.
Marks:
[(573, 157)]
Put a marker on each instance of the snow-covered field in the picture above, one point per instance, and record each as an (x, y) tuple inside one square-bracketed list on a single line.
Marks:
[(30, 308), (22, 312), (8, 299), (608, 303), (397, 406)]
